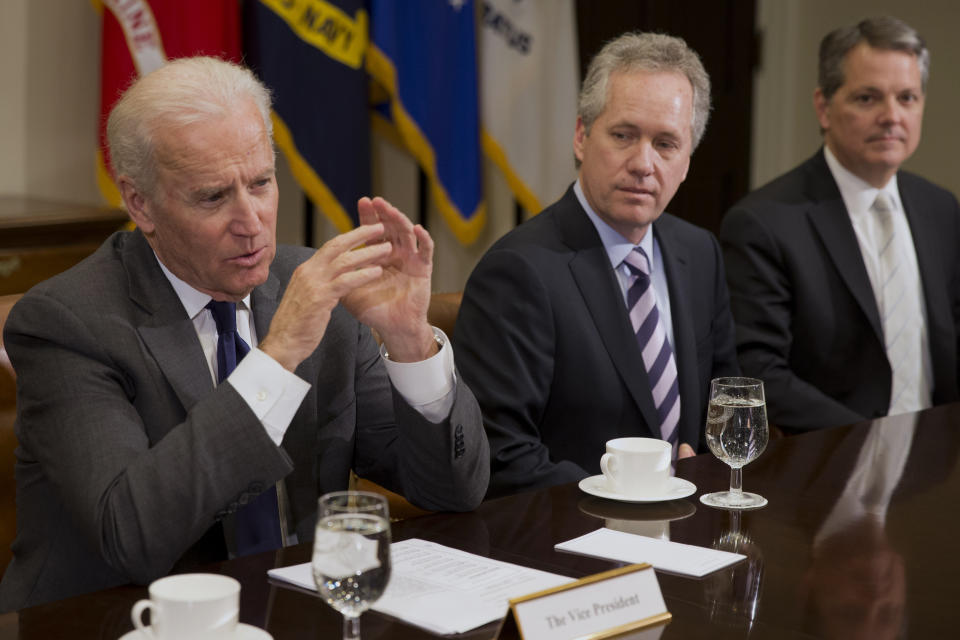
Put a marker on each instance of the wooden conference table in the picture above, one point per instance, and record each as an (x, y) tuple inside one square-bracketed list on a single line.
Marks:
[(815, 568)]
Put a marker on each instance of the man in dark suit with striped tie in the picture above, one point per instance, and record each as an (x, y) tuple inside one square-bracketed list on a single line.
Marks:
[(603, 316)]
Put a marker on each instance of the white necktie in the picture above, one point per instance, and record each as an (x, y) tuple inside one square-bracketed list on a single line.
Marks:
[(901, 328)]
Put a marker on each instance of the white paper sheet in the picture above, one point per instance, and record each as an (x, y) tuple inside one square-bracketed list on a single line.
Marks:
[(441, 589), (664, 555)]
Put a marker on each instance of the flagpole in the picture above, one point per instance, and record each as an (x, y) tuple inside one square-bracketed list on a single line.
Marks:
[(309, 222), (423, 197)]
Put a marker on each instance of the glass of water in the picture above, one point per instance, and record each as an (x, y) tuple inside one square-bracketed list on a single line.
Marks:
[(736, 433), (351, 553)]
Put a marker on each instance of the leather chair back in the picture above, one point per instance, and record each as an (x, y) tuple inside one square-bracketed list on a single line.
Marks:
[(8, 441), (443, 311), (442, 314)]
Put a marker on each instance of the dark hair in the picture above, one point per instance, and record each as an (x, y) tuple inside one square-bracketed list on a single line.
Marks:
[(884, 32)]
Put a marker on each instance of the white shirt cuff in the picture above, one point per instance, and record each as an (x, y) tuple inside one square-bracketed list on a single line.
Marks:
[(273, 393), (427, 386)]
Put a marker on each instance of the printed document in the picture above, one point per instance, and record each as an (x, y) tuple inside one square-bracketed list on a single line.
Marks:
[(441, 589)]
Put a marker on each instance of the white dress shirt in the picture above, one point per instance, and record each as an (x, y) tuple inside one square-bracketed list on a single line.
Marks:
[(858, 197), (274, 394)]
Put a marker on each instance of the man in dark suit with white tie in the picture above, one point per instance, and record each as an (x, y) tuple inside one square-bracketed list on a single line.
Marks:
[(603, 316), (844, 273), (192, 388)]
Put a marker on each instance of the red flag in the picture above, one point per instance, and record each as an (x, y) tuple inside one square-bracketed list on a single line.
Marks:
[(140, 35)]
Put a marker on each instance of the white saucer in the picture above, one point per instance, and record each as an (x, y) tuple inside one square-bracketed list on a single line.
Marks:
[(676, 488), (244, 632)]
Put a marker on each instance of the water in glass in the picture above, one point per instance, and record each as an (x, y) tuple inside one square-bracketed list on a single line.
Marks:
[(737, 433), (351, 553)]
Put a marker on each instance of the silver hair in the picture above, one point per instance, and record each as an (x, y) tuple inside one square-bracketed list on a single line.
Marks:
[(645, 52), (183, 91), (884, 32)]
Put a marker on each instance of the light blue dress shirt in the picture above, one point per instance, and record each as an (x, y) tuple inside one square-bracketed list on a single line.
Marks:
[(618, 247)]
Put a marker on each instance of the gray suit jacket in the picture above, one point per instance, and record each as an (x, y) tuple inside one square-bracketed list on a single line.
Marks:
[(129, 455), (544, 340), (807, 319)]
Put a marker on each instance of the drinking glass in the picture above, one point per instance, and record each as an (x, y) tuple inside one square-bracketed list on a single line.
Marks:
[(351, 553), (736, 433)]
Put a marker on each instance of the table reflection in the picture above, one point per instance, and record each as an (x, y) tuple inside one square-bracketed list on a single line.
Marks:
[(855, 586), (651, 520), (733, 594)]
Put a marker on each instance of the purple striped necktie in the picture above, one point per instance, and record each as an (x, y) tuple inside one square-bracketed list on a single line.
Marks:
[(656, 350)]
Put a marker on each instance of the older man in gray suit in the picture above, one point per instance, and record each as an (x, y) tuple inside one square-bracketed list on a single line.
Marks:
[(133, 460)]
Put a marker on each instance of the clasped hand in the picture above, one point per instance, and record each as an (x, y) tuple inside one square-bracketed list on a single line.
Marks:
[(380, 271)]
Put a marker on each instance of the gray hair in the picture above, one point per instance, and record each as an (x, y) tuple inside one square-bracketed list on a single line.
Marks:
[(884, 32), (645, 52), (182, 92)]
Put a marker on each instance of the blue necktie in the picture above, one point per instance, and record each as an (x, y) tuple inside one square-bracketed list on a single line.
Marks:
[(654, 346), (257, 522)]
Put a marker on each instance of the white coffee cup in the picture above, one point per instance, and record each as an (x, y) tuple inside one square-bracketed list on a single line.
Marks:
[(637, 466), (190, 606)]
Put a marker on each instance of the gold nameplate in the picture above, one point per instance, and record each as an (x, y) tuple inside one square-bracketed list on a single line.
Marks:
[(604, 605)]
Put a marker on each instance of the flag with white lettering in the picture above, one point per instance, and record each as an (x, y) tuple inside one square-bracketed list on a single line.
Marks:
[(529, 86), (139, 36), (311, 54), (423, 53)]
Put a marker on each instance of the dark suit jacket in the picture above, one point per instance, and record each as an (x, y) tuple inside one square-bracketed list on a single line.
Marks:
[(807, 320), (544, 340), (129, 454)]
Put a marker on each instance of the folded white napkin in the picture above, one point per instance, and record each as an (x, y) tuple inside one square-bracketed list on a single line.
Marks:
[(664, 555)]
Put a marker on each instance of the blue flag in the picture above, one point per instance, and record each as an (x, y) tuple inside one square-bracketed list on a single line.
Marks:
[(423, 54), (311, 55)]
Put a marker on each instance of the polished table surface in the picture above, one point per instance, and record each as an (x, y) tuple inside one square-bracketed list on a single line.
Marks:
[(816, 568)]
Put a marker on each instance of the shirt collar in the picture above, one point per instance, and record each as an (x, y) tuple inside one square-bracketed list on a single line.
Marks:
[(858, 195), (193, 301), (616, 246)]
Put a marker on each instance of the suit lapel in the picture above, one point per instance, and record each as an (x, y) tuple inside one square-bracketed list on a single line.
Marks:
[(831, 222), (166, 330), (264, 301), (676, 265), (591, 270), (929, 263), (924, 238)]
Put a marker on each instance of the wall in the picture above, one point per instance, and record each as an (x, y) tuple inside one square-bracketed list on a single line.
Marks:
[(13, 100), (48, 108)]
